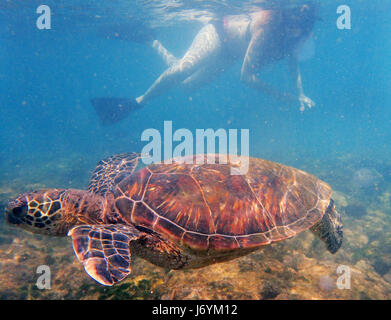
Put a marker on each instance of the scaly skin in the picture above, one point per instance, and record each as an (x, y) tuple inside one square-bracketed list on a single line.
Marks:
[(55, 211)]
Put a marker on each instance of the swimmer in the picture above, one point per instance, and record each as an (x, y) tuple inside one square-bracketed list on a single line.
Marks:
[(258, 39)]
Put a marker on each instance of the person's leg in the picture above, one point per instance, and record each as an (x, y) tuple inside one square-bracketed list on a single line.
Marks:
[(204, 50), (206, 75), (167, 56), (200, 77)]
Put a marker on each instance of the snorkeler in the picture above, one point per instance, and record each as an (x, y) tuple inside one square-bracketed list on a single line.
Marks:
[(258, 39)]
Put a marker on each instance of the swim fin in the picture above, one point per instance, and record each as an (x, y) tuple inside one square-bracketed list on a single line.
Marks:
[(112, 110)]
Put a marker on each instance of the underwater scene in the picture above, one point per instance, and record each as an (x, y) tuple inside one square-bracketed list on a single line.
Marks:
[(300, 87)]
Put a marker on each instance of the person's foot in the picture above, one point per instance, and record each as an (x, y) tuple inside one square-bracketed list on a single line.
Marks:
[(139, 99)]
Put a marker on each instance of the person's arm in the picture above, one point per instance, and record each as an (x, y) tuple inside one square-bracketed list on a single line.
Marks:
[(252, 61), (296, 75)]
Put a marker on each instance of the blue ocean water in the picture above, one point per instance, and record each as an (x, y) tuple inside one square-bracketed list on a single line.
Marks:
[(47, 78)]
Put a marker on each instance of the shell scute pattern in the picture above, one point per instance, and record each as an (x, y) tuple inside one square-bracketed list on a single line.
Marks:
[(205, 207)]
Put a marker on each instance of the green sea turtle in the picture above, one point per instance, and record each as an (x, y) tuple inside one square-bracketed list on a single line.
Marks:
[(179, 215)]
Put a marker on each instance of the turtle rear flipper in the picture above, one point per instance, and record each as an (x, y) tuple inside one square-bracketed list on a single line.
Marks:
[(104, 250), (330, 229), (111, 110)]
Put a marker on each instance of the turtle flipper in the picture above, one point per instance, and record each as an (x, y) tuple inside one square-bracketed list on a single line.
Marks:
[(113, 170), (111, 110), (330, 229), (104, 250)]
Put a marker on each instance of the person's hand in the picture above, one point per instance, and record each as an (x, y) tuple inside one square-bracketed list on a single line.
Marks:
[(305, 102)]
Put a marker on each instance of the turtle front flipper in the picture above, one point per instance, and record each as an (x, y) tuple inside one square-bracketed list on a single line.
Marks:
[(330, 229), (104, 250), (112, 170)]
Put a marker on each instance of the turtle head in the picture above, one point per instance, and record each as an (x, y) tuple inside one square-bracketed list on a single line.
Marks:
[(52, 211), (37, 211)]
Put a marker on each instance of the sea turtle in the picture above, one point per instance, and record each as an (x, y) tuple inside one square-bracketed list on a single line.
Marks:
[(179, 215)]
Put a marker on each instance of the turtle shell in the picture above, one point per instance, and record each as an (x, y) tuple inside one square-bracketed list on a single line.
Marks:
[(205, 207)]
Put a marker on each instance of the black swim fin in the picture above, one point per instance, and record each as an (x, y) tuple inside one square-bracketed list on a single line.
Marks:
[(112, 110)]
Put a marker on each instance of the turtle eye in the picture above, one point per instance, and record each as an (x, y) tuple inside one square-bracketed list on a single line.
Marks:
[(16, 212), (20, 211)]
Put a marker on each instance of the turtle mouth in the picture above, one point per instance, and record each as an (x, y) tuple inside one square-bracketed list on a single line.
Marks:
[(16, 211)]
